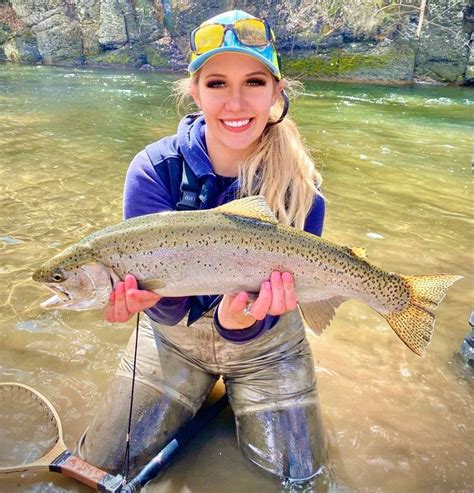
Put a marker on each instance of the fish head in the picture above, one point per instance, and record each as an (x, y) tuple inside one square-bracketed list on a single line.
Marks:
[(77, 281)]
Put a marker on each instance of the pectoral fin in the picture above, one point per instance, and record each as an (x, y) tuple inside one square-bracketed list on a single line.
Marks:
[(319, 314), (151, 284)]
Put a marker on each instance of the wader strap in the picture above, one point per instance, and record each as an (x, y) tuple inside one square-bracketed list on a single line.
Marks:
[(190, 190), (193, 195)]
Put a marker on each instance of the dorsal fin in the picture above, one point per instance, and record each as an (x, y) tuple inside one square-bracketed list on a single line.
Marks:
[(359, 252), (254, 207)]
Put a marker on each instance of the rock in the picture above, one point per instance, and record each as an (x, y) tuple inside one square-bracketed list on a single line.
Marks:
[(149, 20), (442, 52), (469, 75), (156, 58), (22, 49), (58, 34), (364, 43), (358, 62), (5, 33), (112, 28), (131, 56), (87, 13)]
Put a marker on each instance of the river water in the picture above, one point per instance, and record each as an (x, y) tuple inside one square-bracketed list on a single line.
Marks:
[(396, 164)]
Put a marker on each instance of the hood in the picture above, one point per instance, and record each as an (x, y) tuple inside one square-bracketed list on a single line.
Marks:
[(191, 139), (192, 144)]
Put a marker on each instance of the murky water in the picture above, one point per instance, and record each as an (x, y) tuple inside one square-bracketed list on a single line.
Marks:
[(397, 171)]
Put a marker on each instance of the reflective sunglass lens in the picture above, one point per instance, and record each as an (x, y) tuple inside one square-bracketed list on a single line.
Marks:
[(251, 32), (208, 38)]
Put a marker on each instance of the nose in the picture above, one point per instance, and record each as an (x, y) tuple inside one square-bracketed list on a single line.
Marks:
[(235, 101)]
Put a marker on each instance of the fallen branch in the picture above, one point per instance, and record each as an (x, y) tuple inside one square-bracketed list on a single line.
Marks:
[(421, 19)]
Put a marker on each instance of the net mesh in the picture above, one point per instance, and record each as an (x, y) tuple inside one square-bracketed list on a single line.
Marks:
[(28, 428)]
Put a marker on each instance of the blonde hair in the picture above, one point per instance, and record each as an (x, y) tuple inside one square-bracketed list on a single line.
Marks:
[(277, 165)]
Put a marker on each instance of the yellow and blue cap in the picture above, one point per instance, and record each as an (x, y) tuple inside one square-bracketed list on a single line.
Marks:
[(268, 54)]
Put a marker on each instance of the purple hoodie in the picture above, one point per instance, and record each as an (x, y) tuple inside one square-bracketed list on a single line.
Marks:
[(148, 189)]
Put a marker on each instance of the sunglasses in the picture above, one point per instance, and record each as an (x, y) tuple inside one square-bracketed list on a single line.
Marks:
[(249, 32)]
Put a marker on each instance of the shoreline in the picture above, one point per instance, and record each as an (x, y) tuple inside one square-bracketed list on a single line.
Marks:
[(416, 82)]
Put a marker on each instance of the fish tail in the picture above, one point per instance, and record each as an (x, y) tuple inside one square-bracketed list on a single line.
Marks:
[(414, 324)]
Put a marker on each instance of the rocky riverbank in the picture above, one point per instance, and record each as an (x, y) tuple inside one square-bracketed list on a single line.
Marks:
[(371, 41)]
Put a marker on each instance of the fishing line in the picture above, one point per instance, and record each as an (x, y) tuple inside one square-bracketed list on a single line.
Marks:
[(126, 458)]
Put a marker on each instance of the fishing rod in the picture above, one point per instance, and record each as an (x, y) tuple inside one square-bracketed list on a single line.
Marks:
[(164, 457), (173, 447)]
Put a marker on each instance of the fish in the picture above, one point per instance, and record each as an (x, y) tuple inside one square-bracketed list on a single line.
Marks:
[(233, 248)]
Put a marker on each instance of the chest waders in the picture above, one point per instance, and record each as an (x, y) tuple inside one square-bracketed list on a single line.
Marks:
[(270, 380)]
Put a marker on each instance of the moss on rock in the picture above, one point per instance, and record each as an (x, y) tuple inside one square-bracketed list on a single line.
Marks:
[(388, 64), (155, 58), (127, 56)]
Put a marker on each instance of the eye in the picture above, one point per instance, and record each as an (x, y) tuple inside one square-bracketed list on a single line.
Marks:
[(215, 84), (57, 276), (257, 82)]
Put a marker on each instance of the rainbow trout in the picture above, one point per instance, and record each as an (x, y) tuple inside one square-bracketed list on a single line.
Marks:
[(234, 248)]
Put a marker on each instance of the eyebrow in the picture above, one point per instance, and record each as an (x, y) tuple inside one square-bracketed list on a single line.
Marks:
[(251, 74)]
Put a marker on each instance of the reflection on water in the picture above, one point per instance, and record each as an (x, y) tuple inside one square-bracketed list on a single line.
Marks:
[(396, 167)]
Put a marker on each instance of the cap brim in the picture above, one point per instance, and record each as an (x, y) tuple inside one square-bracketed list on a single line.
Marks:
[(196, 64)]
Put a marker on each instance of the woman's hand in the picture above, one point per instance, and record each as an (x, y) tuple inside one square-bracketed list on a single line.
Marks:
[(126, 300), (276, 297)]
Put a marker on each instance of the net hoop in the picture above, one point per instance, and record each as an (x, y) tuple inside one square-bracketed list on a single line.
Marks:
[(59, 444)]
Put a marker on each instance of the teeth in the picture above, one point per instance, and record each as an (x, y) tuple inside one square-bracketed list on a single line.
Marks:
[(238, 123)]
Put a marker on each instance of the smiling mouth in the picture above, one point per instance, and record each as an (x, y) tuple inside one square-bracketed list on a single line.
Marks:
[(237, 125)]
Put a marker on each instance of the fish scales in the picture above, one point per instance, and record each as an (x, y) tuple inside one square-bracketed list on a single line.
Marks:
[(234, 245), (234, 248)]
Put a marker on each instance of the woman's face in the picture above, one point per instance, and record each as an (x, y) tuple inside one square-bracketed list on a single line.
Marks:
[(235, 93)]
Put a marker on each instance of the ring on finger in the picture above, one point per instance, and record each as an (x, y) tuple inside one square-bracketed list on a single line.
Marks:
[(247, 309)]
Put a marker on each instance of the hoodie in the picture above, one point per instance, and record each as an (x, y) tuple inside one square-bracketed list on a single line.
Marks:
[(149, 189)]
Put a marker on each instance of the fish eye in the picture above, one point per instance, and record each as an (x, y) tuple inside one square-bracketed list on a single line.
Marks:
[(57, 276)]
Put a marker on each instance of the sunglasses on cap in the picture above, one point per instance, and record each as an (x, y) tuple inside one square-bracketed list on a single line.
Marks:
[(249, 32)]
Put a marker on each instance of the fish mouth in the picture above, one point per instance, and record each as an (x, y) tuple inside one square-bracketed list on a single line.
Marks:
[(61, 298)]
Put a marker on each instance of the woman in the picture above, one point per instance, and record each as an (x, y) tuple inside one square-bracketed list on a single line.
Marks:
[(234, 147)]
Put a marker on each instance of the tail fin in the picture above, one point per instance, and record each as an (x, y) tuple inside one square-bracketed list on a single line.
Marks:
[(414, 325)]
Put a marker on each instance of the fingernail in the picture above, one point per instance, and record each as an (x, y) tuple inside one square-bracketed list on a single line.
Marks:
[(267, 285), (287, 277)]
